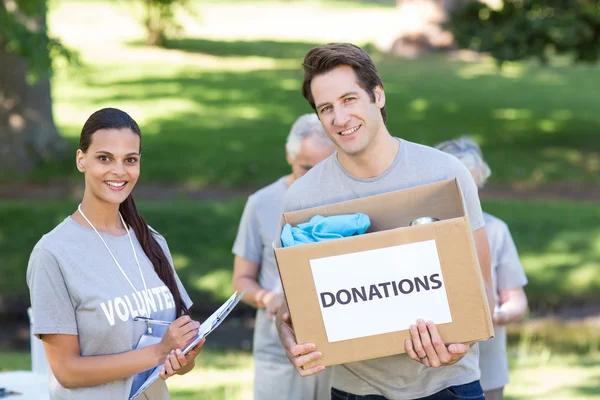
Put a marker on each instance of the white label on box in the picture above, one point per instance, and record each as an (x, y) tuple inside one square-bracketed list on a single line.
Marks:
[(379, 291)]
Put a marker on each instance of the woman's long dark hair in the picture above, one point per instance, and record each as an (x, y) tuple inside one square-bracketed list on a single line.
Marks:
[(112, 118)]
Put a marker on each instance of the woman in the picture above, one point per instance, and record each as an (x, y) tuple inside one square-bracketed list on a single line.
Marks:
[(98, 278), (507, 275)]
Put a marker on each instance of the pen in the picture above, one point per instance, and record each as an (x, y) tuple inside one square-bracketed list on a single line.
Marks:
[(152, 321)]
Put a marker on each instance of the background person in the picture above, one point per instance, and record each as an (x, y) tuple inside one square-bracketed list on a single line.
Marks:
[(508, 276), (255, 269)]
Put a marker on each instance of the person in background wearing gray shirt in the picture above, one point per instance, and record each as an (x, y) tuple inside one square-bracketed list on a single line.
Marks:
[(101, 268), (507, 275), (342, 85), (255, 269)]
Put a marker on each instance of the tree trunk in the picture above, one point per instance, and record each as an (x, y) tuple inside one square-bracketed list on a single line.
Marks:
[(28, 134), (421, 30)]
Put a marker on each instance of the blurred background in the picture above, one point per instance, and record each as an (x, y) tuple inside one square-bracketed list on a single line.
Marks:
[(215, 87)]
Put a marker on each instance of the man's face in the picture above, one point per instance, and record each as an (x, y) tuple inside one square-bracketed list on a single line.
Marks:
[(346, 111), (310, 154)]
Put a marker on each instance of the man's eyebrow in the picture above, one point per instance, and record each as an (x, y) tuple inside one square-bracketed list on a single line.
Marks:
[(341, 97)]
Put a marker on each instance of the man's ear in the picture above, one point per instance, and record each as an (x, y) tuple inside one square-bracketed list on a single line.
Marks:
[(80, 160), (379, 96), (288, 158)]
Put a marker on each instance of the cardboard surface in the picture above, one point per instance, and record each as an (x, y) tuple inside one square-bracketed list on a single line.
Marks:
[(390, 214)]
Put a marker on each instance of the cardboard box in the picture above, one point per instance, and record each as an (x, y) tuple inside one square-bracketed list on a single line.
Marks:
[(427, 271)]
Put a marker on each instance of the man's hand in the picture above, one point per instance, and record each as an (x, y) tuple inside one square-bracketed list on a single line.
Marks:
[(500, 317), (298, 354), (426, 346), (272, 305)]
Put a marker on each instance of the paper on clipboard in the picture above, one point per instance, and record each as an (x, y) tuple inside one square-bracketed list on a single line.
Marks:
[(209, 325)]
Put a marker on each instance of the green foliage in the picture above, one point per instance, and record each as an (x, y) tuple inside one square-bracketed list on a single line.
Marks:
[(23, 32), (521, 29)]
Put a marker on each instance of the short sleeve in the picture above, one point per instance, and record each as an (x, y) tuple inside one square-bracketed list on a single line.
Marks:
[(510, 273), (470, 194), (248, 244), (53, 310)]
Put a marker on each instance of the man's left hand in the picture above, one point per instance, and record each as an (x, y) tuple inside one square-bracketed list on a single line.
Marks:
[(426, 346)]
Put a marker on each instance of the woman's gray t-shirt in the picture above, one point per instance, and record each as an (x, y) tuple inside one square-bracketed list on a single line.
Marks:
[(395, 377), (77, 289)]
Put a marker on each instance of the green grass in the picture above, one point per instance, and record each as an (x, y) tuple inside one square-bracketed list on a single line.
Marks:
[(227, 127), (534, 376), (216, 112), (558, 377), (558, 244), (200, 237)]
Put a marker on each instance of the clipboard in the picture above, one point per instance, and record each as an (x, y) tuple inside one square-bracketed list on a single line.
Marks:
[(205, 329)]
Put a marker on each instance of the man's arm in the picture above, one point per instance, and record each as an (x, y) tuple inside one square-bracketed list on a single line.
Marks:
[(245, 274)]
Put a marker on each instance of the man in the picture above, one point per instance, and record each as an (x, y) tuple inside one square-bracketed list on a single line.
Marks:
[(255, 269), (342, 85)]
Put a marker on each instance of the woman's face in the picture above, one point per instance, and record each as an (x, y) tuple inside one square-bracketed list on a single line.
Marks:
[(111, 164)]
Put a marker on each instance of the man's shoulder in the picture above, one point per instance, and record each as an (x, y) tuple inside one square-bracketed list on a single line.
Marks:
[(310, 189), (427, 155), (494, 225), (318, 174), (277, 188)]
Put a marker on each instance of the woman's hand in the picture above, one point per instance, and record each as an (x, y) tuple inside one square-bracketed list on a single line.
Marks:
[(179, 363), (181, 332)]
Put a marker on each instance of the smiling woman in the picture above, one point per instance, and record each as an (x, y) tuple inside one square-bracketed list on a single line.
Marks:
[(90, 278)]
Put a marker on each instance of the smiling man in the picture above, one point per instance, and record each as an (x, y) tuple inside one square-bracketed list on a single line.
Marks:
[(342, 85)]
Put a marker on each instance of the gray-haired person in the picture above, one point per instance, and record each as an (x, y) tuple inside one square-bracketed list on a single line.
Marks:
[(255, 269), (508, 276)]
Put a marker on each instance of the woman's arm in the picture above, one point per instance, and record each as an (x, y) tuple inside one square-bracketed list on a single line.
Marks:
[(513, 306), (73, 370)]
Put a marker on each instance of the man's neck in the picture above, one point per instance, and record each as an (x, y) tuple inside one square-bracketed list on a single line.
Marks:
[(375, 160), (289, 179), (104, 216)]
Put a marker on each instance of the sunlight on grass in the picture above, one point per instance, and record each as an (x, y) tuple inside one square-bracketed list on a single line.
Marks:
[(512, 114), (181, 261), (557, 378), (195, 98), (217, 375), (534, 375), (488, 67), (214, 282)]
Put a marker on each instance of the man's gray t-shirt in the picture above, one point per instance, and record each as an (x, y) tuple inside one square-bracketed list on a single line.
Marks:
[(395, 377), (257, 230), (507, 273), (77, 289)]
